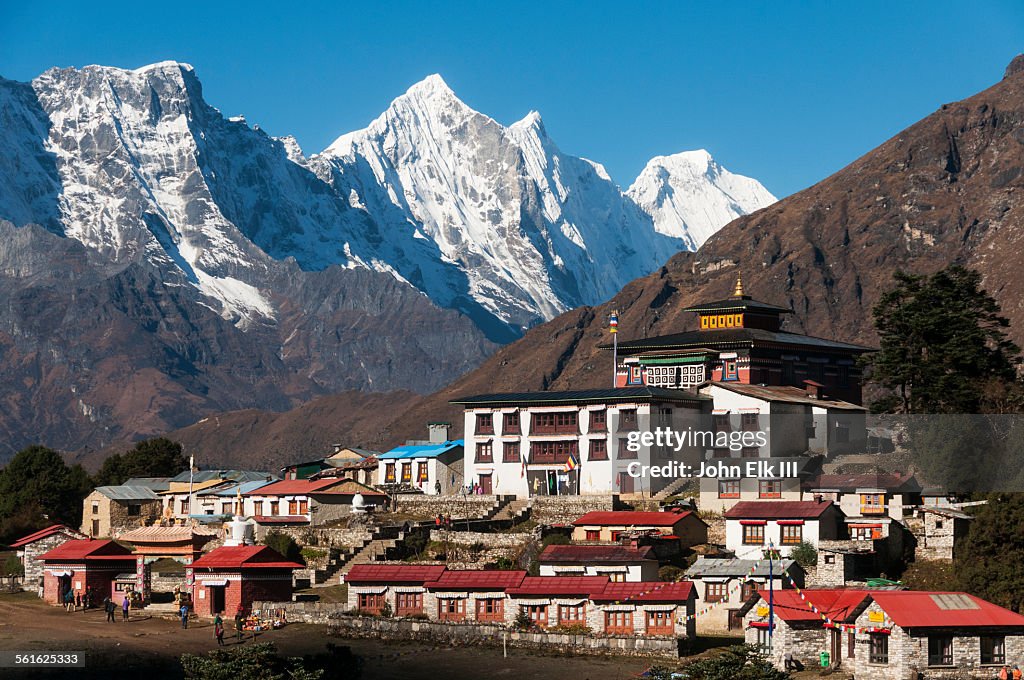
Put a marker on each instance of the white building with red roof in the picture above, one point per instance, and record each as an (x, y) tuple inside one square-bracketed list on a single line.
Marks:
[(609, 527), (297, 502), (30, 547), (556, 600), (371, 586), (230, 578), (469, 595), (617, 562), (646, 608), (887, 634), (751, 527)]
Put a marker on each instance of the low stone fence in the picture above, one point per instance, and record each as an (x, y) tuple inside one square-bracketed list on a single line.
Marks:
[(306, 612), (467, 634), (328, 537), (459, 507), (474, 550), (566, 509)]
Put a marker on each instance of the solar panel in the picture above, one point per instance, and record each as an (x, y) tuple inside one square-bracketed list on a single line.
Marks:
[(949, 601)]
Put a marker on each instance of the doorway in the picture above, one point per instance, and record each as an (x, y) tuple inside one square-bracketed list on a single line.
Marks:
[(625, 483), (485, 485), (217, 599)]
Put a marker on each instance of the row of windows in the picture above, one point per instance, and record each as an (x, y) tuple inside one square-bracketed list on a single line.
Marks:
[(560, 422), (406, 473), (675, 376), (992, 649), (753, 534), (766, 488), (541, 452)]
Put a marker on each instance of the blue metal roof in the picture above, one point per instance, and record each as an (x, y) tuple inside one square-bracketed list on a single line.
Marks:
[(128, 493), (421, 450), (227, 475), (243, 488)]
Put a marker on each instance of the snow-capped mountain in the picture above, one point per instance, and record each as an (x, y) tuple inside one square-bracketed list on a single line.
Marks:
[(690, 196), (489, 220)]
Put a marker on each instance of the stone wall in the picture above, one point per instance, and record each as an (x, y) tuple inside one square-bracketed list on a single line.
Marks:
[(33, 580), (459, 507), (328, 537), (464, 634), (473, 550), (567, 509)]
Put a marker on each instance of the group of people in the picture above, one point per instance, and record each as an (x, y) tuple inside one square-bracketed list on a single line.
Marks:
[(1007, 673), (218, 627), (443, 521), (75, 600)]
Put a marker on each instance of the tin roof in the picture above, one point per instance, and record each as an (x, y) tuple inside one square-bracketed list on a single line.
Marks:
[(128, 493), (421, 450), (923, 609), (44, 533), (88, 550), (349, 487), (732, 567), (605, 396), (645, 591), (476, 579), (631, 518), (244, 557), (852, 482), (244, 487), (786, 394), (835, 603), (559, 585), (154, 483), (777, 510), (417, 574), (226, 475), (158, 534), (595, 554), (293, 487)]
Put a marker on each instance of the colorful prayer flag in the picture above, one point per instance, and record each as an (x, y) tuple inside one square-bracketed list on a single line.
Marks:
[(571, 463), (613, 322)]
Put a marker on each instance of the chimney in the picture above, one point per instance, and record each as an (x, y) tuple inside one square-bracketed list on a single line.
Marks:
[(438, 432), (813, 389)]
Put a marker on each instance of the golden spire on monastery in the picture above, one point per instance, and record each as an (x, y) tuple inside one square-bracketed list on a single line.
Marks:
[(738, 292)]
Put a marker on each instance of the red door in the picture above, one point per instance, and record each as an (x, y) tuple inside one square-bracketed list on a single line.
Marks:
[(625, 482), (485, 484)]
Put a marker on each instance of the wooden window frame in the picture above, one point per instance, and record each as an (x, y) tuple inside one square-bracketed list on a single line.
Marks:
[(598, 421), (511, 452), (510, 423), (786, 531), (484, 423), (497, 607), (408, 603), (666, 627), (618, 623), (751, 532), (723, 484), (451, 609), (878, 649), (484, 451)]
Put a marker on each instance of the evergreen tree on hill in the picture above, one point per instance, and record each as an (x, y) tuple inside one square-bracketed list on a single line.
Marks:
[(37, 488), (157, 457), (944, 347)]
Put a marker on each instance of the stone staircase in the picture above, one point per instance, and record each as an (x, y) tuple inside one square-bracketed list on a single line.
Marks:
[(515, 510), (673, 488)]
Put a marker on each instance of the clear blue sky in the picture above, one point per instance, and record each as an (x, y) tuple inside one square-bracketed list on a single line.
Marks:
[(786, 92)]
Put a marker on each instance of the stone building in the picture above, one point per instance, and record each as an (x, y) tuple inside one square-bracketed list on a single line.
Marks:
[(89, 565), (941, 529), (30, 547), (727, 583), (463, 596), (751, 527), (608, 527), (233, 577), (109, 509), (649, 608), (370, 586)]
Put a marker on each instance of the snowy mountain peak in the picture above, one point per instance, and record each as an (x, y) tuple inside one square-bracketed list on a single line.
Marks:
[(432, 85), (691, 196)]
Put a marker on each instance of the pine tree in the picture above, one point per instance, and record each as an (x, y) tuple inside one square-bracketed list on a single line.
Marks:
[(943, 346)]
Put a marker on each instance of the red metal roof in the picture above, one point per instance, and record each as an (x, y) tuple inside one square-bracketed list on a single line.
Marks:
[(591, 554), (394, 573), (87, 550), (835, 603), (852, 482), (559, 585), (280, 519), (477, 580), (929, 609), (294, 487), (645, 591), (631, 518), (43, 533), (777, 510), (244, 557)]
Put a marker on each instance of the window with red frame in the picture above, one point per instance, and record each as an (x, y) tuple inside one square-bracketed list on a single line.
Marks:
[(628, 419), (572, 614), (485, 452), (593, 534), (423, 474), (451, 609), (624, 452), (618, 623), (598, 449), (371, 602), (485, 423), (599, 421), (729, 488), (538, 614), (406, 473), (749, 422), (510, 452), (748, 590), (769, 488), (553, 452), (510, 423), (389, 473), (490, 609), (560, 422), (660, 623), (408, 603)]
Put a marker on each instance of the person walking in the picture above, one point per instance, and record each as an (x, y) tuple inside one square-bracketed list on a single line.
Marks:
[(239, 619), (78, 600), (69, 599), (218, 629), (184, 615), (1017, 673), (125, 606), (108, 606)]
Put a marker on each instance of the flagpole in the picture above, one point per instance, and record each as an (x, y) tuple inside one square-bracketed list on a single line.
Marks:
[(613, 327)]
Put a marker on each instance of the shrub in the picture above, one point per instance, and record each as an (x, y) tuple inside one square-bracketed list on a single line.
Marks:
[(740, 662), (12, 566), (804, 554), (505, 563), (284, 544), (555, 539), (523, 620), (670, 573), (572, 629), (261, 661)]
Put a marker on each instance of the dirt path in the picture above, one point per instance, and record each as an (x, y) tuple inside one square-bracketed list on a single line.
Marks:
[(149, 648)]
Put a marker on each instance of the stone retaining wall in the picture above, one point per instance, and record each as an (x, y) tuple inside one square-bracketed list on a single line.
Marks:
[(328, 537), (566, 509), (492, 635), (459, 507)]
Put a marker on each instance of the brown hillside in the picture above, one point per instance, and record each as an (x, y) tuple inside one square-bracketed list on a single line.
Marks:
[(947, 189)]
